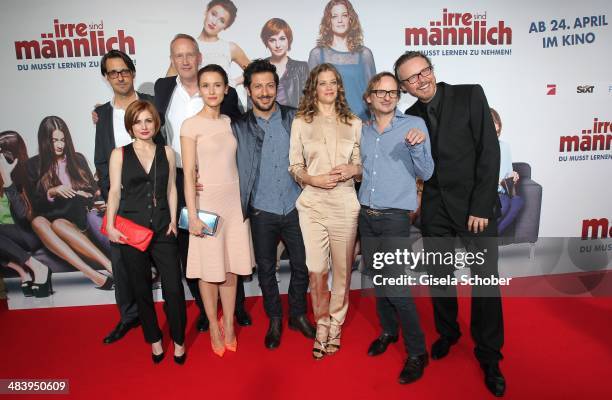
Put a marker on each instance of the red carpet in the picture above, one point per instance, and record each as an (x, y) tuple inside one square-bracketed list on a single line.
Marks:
[(555, 348)]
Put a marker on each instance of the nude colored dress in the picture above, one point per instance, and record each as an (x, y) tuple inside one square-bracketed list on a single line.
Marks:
[(231, 248)]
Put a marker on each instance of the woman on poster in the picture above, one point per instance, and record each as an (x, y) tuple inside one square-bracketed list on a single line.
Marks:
[(277, 36), (17, 240), (340, 43), (61, 190)]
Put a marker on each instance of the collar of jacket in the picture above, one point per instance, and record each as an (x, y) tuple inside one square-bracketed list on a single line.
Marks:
[(285, 118)]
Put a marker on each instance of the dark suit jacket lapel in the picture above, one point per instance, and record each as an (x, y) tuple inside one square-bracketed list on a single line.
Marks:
[(163, 98), (448, 104)]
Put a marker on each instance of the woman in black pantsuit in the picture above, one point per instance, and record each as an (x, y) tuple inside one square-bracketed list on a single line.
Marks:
[(142, 189)]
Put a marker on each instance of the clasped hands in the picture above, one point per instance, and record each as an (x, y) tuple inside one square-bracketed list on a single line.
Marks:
[(340, 173)]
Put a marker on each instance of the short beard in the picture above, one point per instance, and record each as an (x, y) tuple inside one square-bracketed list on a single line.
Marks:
[(260, 108)]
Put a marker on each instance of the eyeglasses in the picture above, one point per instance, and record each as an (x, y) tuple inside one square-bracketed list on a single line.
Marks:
[(381, 94), (424, 72), (125, 73)]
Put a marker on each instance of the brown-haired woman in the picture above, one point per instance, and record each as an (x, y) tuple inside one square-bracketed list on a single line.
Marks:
[(143, 190), (61, 189), (324, 158), (340, 43), (17, 240)]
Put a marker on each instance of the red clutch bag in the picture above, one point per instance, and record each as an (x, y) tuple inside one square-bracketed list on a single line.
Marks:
[(137, 235)]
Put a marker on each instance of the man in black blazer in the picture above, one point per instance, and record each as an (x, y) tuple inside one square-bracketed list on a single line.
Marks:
[(119, 70), (460, 200), (176, 99)]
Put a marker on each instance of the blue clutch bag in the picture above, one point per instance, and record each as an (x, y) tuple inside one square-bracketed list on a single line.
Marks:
[(209, 218)]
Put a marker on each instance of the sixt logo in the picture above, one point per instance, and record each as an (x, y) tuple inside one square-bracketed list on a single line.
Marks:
[(596, 228), (74, 40), (460, 29), (585, 89), (551, 89)]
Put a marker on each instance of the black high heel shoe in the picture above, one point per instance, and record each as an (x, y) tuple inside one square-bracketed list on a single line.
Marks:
[(157, 358), (26, 288), (109, 284), (180, 360), (43, 289)]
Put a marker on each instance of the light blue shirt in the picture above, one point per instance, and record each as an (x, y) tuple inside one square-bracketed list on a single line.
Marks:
[(275, 190), (391, 166)]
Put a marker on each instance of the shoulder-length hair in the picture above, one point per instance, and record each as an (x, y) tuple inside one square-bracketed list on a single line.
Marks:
[(80, 178), (354, 34), (134, 110), (308, 104), (13, 148)]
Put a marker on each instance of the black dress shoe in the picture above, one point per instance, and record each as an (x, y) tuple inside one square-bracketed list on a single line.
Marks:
[(302, 324), (381, 343), (120, 330), (157, 358), (413, 369), (273, 336), (180, 360), (494, 380), (202, 324), (441, 347), (243, 318)]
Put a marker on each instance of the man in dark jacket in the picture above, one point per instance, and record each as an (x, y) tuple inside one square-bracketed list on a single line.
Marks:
[(268, 194), (460, 200)]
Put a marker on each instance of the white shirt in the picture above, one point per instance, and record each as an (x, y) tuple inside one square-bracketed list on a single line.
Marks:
[(181, 107), (122, 137)]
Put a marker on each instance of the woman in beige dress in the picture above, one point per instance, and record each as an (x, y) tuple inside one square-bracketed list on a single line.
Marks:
[(324, 159), (208, 147)]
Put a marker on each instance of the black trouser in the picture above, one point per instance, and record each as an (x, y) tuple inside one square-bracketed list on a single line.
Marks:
[(386, 232), (487, 325), (183, 248), (17, 243), (267, 230), (124, 296), (163, 252)]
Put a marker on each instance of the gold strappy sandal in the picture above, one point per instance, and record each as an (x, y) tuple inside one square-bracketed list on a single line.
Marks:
[(333, 340)]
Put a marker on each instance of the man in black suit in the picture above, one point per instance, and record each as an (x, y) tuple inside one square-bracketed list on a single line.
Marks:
[(119, 70), (460, 200), (176, 99)]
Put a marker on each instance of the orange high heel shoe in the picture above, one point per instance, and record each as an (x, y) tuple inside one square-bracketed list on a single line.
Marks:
[(228, 346), (232, 346), (221, 349)]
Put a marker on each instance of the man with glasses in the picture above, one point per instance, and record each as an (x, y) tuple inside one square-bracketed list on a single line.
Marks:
[(394, 148), (460, 200), (176, 99), (119, 70)]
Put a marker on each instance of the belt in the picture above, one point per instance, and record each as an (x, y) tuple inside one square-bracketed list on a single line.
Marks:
[(387, 211)]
